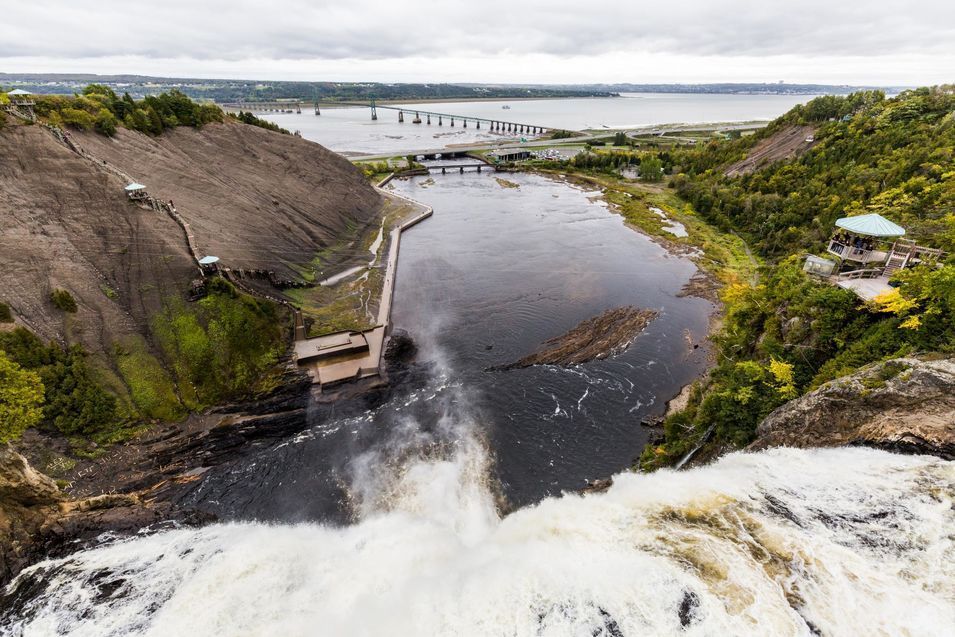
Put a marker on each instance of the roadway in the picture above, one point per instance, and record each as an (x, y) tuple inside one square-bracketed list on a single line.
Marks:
[(510, 142)]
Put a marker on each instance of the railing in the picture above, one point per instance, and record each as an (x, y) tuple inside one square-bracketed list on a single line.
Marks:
[(868, 273), (848, 252)]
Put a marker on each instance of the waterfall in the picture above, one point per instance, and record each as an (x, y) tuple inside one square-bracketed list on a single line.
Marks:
[(784, 542)]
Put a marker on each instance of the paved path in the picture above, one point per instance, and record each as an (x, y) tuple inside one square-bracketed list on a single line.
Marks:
[(363, 358)]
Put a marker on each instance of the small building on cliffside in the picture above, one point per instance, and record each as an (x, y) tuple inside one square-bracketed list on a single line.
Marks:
[(136, 192), (868, 249)]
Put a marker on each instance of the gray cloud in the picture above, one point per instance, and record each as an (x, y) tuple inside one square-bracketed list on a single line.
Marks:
[(372, 30)]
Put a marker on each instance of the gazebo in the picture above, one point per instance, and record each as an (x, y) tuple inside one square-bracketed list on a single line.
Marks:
[(870, 250), (19, 97), (864, 238), (136, 191), (208, 264)]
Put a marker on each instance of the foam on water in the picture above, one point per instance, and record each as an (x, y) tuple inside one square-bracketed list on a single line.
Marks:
[(787, 542)]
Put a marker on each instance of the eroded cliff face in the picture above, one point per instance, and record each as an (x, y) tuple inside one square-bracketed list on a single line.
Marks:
[(37, 520), (27, 499), (255, 198), (905, 405)]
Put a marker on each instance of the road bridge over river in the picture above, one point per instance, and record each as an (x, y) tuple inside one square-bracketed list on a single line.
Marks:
[(417, 115), (459, 150)]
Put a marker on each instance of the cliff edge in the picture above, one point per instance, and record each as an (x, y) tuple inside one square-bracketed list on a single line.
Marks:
[(905, 405)]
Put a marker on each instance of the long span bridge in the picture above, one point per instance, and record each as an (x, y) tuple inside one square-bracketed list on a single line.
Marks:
[(417, 116)]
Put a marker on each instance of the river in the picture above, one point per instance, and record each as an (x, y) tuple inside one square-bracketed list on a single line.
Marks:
[(496, 271), (351, 131), (388, 522)]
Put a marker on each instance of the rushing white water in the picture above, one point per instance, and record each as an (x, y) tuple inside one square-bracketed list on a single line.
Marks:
[(787, 542)]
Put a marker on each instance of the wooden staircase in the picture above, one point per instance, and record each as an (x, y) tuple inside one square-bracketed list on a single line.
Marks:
[(899, 257)]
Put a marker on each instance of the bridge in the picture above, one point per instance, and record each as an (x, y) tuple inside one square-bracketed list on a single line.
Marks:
[(444, 168), (492, 124), (274, 106), (418, 116)]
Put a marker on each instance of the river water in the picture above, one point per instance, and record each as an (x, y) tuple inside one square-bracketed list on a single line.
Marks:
[(787, 542), (495, 272), (351, 131)]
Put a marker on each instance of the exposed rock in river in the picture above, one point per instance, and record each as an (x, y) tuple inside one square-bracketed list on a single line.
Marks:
[(595, 339), (905, 405)]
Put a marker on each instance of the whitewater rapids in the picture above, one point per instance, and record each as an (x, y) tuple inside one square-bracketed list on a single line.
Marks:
[(785, 542)]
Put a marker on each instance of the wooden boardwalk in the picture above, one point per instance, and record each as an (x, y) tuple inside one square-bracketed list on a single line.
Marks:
[(344, 356)]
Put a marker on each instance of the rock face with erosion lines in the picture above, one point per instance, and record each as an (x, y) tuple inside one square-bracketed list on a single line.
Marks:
[(257, 199), (905, 405), (595, 339)]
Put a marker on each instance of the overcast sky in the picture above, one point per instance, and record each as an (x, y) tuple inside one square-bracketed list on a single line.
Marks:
[(828, 41)]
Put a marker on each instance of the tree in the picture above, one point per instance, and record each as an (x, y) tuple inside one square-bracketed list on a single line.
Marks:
[(21, 395), (651, 168), (63, 300)]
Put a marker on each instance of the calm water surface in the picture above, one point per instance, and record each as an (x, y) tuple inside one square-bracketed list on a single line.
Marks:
[(351, 131)]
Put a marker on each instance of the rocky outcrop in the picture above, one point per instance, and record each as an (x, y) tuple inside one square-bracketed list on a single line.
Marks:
[(905, 405), (594, 339), (37, 520)]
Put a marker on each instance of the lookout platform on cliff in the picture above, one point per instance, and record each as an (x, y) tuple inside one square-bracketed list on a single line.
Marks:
[(868, 250)]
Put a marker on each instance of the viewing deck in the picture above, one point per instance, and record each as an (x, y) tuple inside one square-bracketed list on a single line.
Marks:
[(865, 287)]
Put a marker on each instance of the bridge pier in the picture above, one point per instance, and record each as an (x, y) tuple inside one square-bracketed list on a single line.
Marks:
[(479, 168), (461, 169), (465, 123), (401, 117), (452, 122), (429, 119), (417, 119), (444, 171), (479, 124), (318, 111), (440, 121)]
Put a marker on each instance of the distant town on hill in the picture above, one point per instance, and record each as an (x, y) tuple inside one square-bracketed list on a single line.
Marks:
[(225, 90)]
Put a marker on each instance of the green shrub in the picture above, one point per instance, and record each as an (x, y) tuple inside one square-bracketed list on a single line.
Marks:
[(21, 397), (252, 120), (222, 345), (106, 123), (150, 386), (6, 316), (77, 118), (73, 402), (63, 300)]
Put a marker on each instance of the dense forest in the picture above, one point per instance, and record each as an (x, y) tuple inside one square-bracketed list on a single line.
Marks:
[(791, 333)]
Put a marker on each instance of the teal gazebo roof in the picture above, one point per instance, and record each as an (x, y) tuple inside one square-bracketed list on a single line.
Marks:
[(871, 225)]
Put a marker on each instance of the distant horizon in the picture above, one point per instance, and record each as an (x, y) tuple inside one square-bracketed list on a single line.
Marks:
[(115, 77)]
